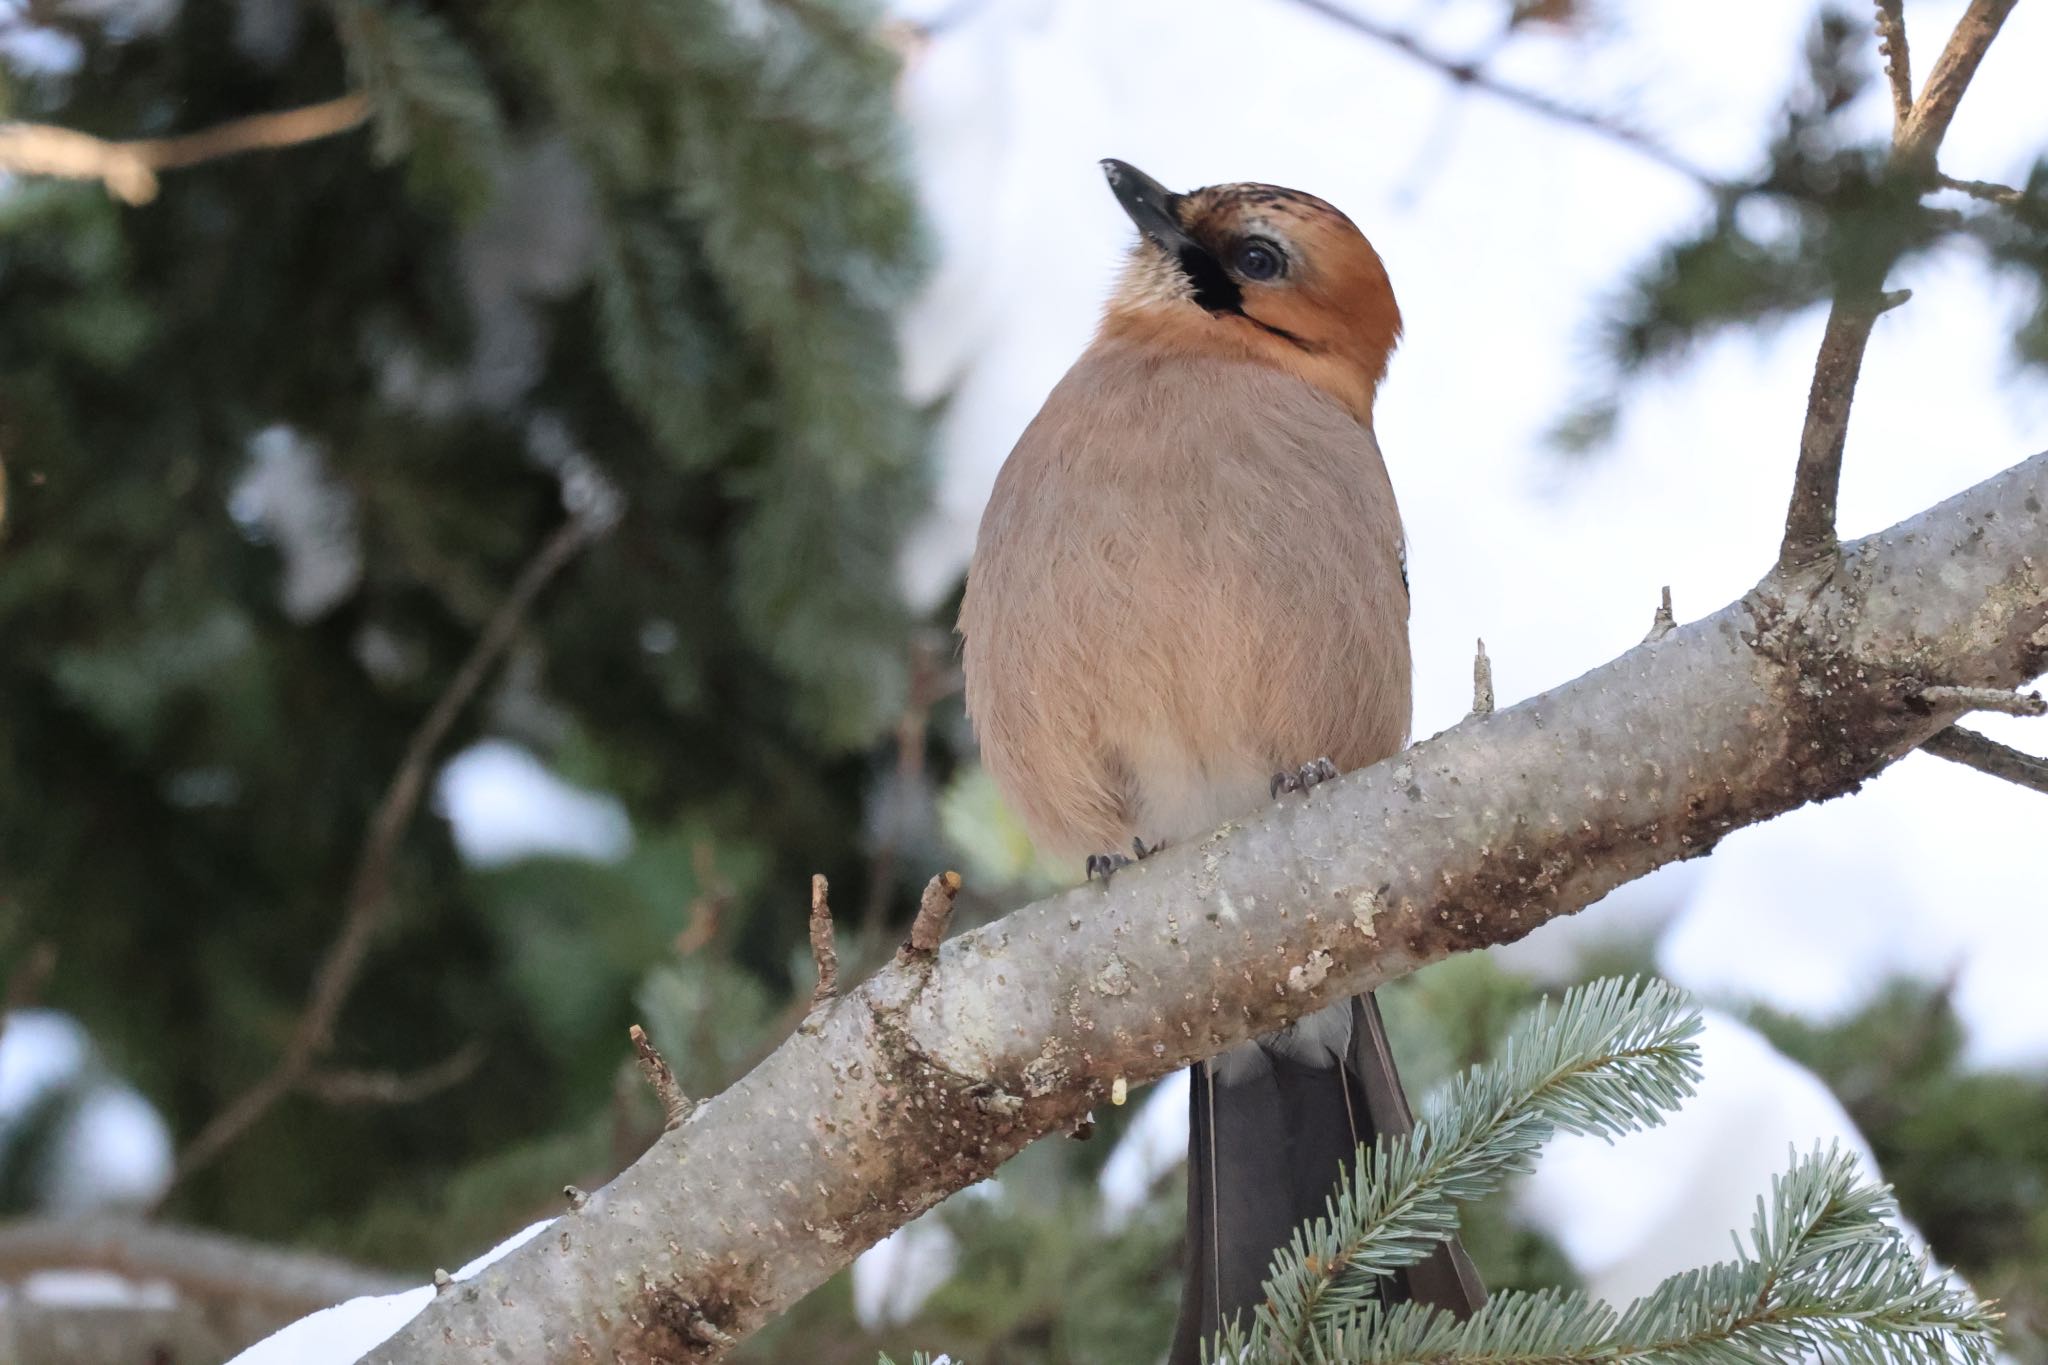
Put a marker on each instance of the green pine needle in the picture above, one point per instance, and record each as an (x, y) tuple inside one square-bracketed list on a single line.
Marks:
[(1828, 1278), (1826, 1274), (1612, 1058)]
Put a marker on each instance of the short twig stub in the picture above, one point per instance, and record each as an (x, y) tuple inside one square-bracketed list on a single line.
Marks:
[(824, 952), (1663, 623), (934, 908), (674, 1103), (1482, 682)]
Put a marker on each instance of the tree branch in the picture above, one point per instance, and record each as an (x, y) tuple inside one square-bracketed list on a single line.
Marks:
[(661, 1079), (1951, 76), (2003, 700), (1973, 750), (129, 169), (1810, 535), (934, 1071), (2005, 196), (202, 1265), (394, 1087), (1482, 681), (1472, 75), (1898, 62), (934, 909), (1662, 623), (1816, 483), (824, 953), (369, 893)]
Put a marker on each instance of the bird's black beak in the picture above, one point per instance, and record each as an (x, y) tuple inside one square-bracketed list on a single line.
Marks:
[(1152, 206)]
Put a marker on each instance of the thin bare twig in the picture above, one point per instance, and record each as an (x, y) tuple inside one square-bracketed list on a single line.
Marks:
[(932, 680), (934, 908), (129, 169), (714, 897), (1898, 65), (1990, 191), (394, 1087), (675, 1105), (1473, 76), (823, 950), (1986, 699), (1663, 623), (1973, 750), (369, 891), (1482, 682), (1810, 536)]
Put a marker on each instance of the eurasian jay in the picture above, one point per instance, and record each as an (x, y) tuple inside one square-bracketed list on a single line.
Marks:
[(1188, 597)]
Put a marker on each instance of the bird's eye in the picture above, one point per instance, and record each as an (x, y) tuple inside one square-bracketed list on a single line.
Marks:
[(1257, 260)]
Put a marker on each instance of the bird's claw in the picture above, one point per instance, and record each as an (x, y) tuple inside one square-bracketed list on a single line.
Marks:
[(1302, 778), (1105, 865)]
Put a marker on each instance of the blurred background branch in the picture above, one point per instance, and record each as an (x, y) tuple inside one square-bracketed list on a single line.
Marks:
[(202, 1265), (1472, 75), (369, 894), (129, 169)]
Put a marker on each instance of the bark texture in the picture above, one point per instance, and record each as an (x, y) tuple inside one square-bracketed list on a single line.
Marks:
[(939, 1068)]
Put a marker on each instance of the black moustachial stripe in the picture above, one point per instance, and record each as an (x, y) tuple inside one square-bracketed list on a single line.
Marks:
[(1218, 293), (1214, 289)]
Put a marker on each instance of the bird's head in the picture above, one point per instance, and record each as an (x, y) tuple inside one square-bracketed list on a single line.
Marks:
[(1259, 272)]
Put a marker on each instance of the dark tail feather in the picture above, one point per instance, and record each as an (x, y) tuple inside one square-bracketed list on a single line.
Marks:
[(1271, 1124)]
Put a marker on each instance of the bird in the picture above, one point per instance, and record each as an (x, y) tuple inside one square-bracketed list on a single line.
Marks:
[(1188, 597)]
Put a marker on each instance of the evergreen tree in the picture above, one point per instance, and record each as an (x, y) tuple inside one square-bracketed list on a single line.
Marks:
[(279, 442)]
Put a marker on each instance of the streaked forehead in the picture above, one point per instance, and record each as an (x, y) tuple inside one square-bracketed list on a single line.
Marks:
[(1244, 205)]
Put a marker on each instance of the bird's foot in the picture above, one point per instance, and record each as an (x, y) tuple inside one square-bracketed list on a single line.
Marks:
[(1105, 865), (1301, 779)]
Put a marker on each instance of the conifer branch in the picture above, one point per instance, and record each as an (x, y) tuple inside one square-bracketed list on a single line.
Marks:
[(1616, 1056), (1826, 1275)]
